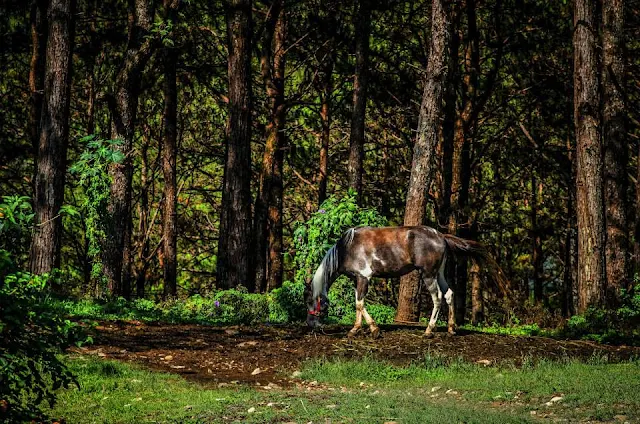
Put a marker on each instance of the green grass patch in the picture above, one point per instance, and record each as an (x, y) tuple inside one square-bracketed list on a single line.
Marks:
[(360, 391), (594, 389)]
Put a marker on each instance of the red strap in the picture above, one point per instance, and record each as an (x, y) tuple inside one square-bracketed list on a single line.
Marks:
[(317, 310)]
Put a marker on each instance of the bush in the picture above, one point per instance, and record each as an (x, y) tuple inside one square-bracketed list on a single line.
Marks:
[(620, 325), (32, 333), (286, 303)]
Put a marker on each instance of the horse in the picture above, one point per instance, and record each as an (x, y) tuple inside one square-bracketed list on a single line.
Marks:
[(365, 252)]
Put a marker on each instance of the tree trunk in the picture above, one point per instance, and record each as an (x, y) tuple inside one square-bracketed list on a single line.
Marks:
[(275, 268), (326, 59), (536, 239), (123, 114), (268, 211), (461, 157), (590, 202), (169, 158), (477, 299), (360, 84), (425, 145), (38, 20), (235, 220), (54, 137), (615, 149)]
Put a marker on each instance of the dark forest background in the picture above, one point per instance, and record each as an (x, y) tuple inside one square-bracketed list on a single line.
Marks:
[(237, 119)]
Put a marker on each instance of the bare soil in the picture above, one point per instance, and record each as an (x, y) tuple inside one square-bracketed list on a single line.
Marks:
[(267, 355)]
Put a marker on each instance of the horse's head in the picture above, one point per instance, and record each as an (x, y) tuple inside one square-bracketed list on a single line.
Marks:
[(317, 308)]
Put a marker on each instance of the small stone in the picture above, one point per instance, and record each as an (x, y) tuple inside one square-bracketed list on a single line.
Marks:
[(435, 389), (178, 367), (451, 392), (221, 385), (332, 406), (296, 374), (188, 407), (362, 384), (313, 383), (533, 412), (484, 362), (367, 407), (554, 399), (245, 344), (256, 371), (138, 399), (251, 410), (168, 358)]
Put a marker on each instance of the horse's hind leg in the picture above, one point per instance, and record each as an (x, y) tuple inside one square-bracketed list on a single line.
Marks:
[(436, 296), (448, 297)]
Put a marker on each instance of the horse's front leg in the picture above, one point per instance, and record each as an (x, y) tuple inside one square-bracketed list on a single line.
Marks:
[(362, 287)]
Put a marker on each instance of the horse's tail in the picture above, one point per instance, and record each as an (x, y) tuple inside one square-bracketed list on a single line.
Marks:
[(331, 263), (480, 254)]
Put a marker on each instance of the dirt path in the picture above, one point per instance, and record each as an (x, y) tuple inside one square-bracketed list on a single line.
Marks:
[(267, 354)]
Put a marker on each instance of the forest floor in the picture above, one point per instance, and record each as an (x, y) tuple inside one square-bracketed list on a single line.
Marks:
[(269, 355)]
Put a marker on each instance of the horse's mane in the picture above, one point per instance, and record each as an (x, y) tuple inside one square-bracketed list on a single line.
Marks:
[(330, 264)]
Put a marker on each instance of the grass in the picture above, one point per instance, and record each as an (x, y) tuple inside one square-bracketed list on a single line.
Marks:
[(363, 391)]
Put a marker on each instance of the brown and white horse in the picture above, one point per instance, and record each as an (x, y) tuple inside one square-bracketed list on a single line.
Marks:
[(366, 252)]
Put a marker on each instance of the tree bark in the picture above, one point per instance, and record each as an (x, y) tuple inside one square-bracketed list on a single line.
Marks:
[(461, 157), (235, 221), (360, 86), (426, 142), (477, 299), (615, 148), (53, 141), (36, 71), (169, 159), (140, 46), (268, 211), (590, 202), (327, 59)]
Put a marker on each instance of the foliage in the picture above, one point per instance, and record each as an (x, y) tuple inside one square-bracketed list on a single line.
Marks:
[(32, 334), (619, 325), (16, 217), (314, 237), (225, 307), (92, 170), (286, 303)]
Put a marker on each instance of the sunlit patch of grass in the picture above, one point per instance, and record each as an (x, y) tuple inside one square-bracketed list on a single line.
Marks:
[(113, 392), (593, 388)]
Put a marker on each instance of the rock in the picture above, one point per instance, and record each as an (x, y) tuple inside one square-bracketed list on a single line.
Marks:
[(451, 392), (178, 367), (231, 331), (168, 358), (296, 374), (251, 410), (554, 399), (435, 389), (188, 407), (256, 371), (484, 362), (245, 344), (332, 406)]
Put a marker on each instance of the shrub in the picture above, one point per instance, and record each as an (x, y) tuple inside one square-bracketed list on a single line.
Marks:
[(32, 333), (286, 303), (608, 325)]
